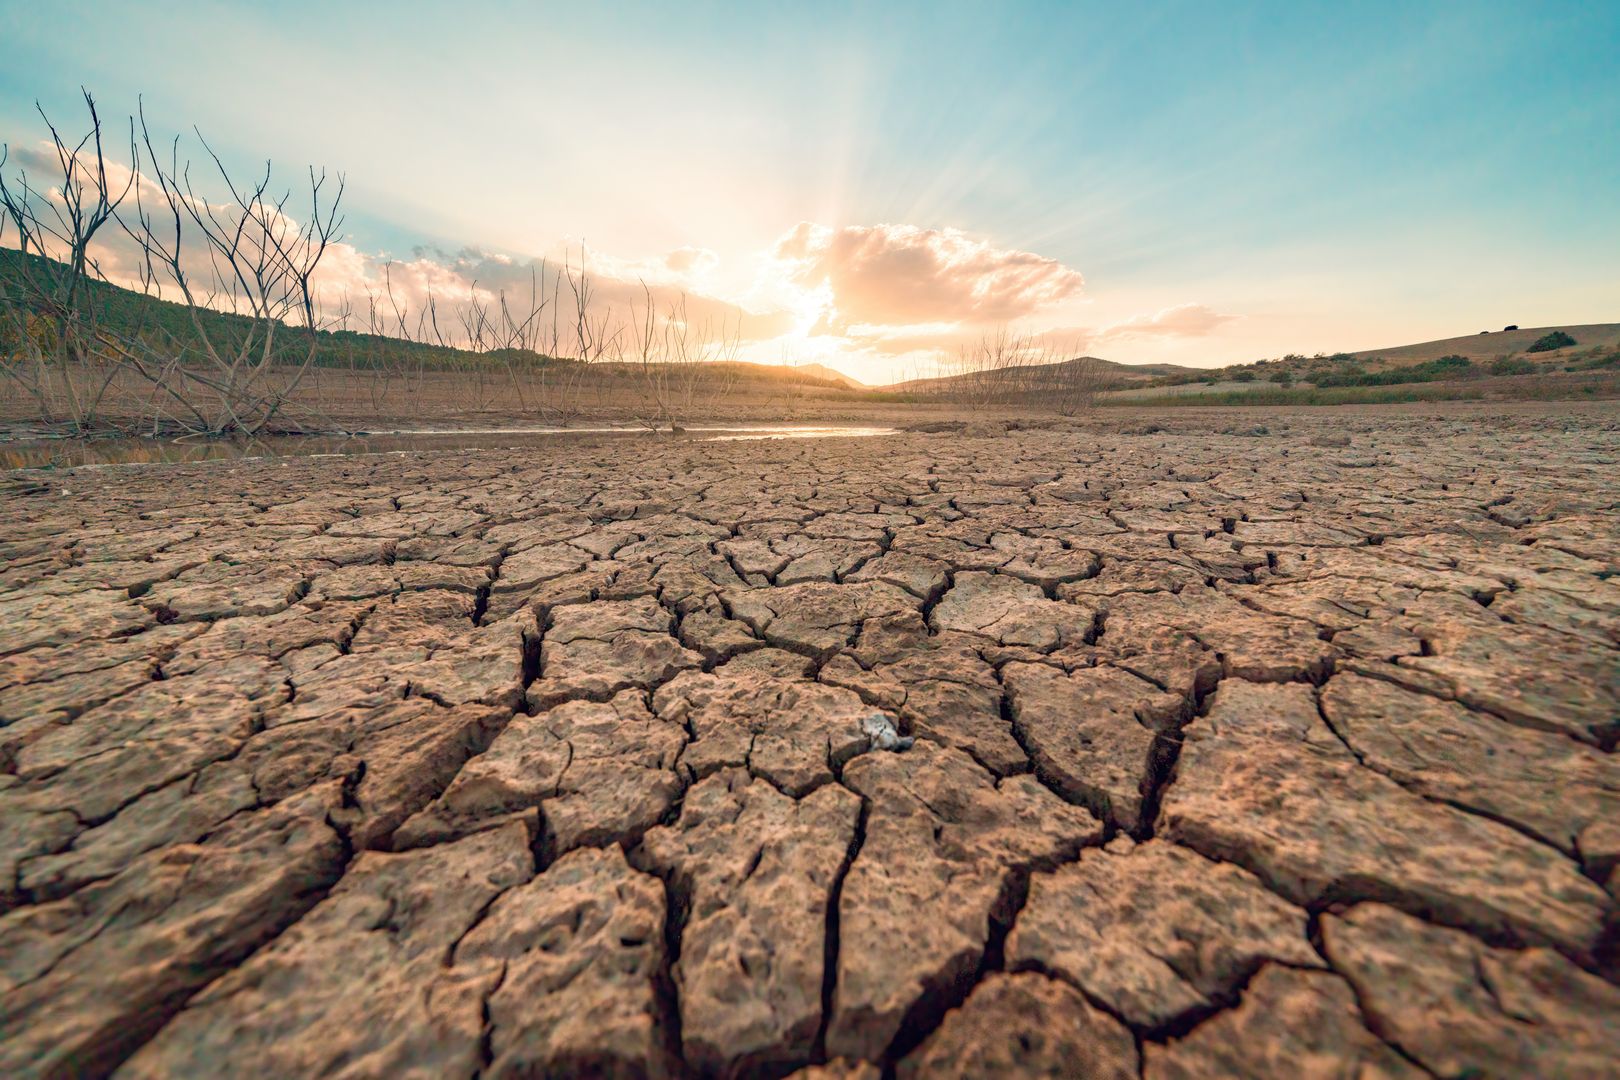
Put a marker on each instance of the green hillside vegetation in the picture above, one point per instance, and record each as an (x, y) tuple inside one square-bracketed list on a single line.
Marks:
[(1511, 352), (160, 322), (127, 313), (1548, 342), (1270, 394), (1489, 345), (1595, 360), (1446, 367)]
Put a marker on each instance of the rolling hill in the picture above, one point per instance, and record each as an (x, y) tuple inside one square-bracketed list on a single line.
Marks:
[(1112, 374), (1132, 372), (134, 314), (827, 374), (1488, 346)]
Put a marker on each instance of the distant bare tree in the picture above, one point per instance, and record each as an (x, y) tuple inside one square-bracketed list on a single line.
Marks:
[(675, 359), (253, 260), (990, 371), (695, 356), (1023, 370), (791, 388), (1068, 387), (595, 333), (51, 315), (516, 333)]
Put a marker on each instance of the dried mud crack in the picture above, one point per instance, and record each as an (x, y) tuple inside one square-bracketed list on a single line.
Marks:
[(1227, 755)]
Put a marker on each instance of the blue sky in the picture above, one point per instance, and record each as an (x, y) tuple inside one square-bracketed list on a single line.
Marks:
[(1230, 181)]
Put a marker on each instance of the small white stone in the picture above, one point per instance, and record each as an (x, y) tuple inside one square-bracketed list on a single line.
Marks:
[(883, 734)]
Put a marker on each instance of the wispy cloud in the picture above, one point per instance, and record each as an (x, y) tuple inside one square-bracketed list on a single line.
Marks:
[(1183, 320)]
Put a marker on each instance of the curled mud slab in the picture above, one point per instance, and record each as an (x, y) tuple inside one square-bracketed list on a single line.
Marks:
[(1259, 752)]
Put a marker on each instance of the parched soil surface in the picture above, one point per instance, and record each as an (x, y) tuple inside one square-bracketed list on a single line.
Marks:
[(1223, 750)]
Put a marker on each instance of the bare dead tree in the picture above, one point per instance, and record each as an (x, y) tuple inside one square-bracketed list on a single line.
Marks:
[(1009, 369), (644, 352), (246, 255), (792, 388), (398, 361), (694, 353), (1073, 385), (724, 375), (674, 358), (52, 321), (515, 337), (595, 334), (983, 372)]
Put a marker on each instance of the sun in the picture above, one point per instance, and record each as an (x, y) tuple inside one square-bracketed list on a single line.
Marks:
[(809, 308)]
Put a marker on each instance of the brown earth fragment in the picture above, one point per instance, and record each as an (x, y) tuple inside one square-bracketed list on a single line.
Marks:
[(1025, 1025), (1155, 933)]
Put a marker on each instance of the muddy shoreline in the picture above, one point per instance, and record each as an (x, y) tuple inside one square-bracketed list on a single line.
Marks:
[(28, 445)]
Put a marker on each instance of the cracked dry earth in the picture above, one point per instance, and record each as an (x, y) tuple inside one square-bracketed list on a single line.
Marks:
[(1278, 753)]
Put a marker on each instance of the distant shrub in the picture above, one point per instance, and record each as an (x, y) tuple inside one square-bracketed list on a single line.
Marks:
[(1505, 329), (1243, 376), (1303, 395), (1283, 377), (1446, 367), (1341, 358), (1593, 363), (1548, 342), (1350, 375), (1511, 365)]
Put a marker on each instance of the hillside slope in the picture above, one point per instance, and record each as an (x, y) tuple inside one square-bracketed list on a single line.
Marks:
[(1491, 345), (164, 322), (1112, 372), (823, 372)]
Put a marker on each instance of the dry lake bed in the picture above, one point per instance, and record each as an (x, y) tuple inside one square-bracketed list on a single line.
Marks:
[(1264, 744)]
